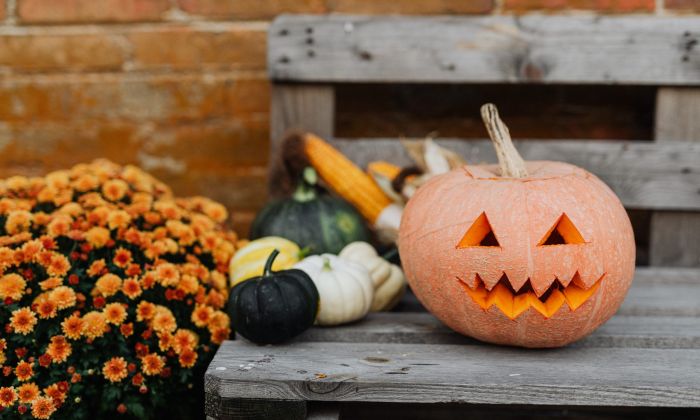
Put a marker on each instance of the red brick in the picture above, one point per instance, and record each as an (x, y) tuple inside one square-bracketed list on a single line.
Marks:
[(410, 7), (47, 51), (604, 6), (134, 97), (231, 46), (682, 5), (66, 11), (2, 10), (251, 9), (213, 155)]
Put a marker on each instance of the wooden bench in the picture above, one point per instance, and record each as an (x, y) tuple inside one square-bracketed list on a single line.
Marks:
[(407, 364)]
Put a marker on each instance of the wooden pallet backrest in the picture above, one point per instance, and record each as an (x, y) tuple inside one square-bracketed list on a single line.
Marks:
[(309, 55)]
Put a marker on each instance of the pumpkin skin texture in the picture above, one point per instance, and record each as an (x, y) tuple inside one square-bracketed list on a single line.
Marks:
[(532, 254), (345, 288), (274, 307), (316, 221)]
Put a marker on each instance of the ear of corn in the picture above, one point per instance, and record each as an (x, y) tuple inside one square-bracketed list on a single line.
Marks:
[(385, 169), (345, 178)]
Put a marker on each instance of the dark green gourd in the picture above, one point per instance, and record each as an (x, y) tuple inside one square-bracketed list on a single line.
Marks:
[(311, 218), (274, 307)]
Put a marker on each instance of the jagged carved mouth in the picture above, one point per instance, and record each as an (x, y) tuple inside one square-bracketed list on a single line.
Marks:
[(513, 303)]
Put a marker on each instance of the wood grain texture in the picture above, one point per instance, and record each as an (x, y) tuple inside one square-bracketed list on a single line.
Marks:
[(643, 174), (675, 236), (302, 107), (543, 49), (424, 328), (434, 373)]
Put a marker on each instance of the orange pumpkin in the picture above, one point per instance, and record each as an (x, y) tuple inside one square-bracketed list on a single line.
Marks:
[(533, 254)]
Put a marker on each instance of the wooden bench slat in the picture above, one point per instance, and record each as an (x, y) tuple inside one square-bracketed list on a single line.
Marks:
[(432, 373), (643, 174), (424, 328), (490, 49)]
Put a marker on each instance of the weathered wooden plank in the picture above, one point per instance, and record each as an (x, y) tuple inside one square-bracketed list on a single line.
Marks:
[(550, 49), (675, 236), (424, 328), (304, 107), (432, 373), (643, 174)]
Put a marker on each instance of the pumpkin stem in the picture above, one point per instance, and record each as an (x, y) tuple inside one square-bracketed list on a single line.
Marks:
[(512, 165), (267, 271), (327, 264), (306, 187)]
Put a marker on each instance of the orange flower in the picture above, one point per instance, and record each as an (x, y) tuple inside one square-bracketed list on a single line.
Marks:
[(145, 311), (152, 364), (108, 284), (114, 370), (97, 236), (96, 268), (215, 210), (188, 284), (118, 219), (51, 283), (219, 335), (63, 297), (122, 257), (219, 320), (59, 349), (127, 329), (54, 392), (23, 321), (85, 182), (59, 225), (131, 288), (95, 324), (184, 340), (187, 358), (164, 320), (115, 313), (58, 266), (46, 308), (201, 315), (167, 274), (12, 286), (18, 221), (148, 280), (8, 396), (27, 392), (24, 371), (43, 408), (114, 189), (72, 327), (165, 341)]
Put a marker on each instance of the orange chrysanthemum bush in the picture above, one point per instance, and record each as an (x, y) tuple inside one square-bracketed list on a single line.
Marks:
[(112, 292)]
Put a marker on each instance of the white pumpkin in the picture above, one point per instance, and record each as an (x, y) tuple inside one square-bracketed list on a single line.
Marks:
[(388, 279), (345, 288)]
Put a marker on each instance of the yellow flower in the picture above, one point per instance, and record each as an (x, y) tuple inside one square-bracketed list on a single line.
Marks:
[(59, 225), (152, 364), (115, 313), (12, 286), (85, 182), (108, 284), (18, 221), (59, 349), (63, 297), (118, 219), (94, 324), (188, 284), (27, 392), (114, 370), (97, 236), (114, 189), (164, 320), (43, 408), (24, 371), (23, 321), (73, 327)]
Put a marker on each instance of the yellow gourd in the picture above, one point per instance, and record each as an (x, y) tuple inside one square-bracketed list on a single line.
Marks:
[(249, 261)]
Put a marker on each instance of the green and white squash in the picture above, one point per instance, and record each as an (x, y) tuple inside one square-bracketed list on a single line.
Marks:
[(317, 222)]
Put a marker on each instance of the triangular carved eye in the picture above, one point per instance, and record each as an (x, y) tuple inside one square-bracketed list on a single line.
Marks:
[(562, 233), (479, 234)]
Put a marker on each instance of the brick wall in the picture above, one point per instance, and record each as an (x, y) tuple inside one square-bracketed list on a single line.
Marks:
[(176, 86)]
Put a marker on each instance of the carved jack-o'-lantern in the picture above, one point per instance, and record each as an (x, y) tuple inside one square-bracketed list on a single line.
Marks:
[(534, 254)]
